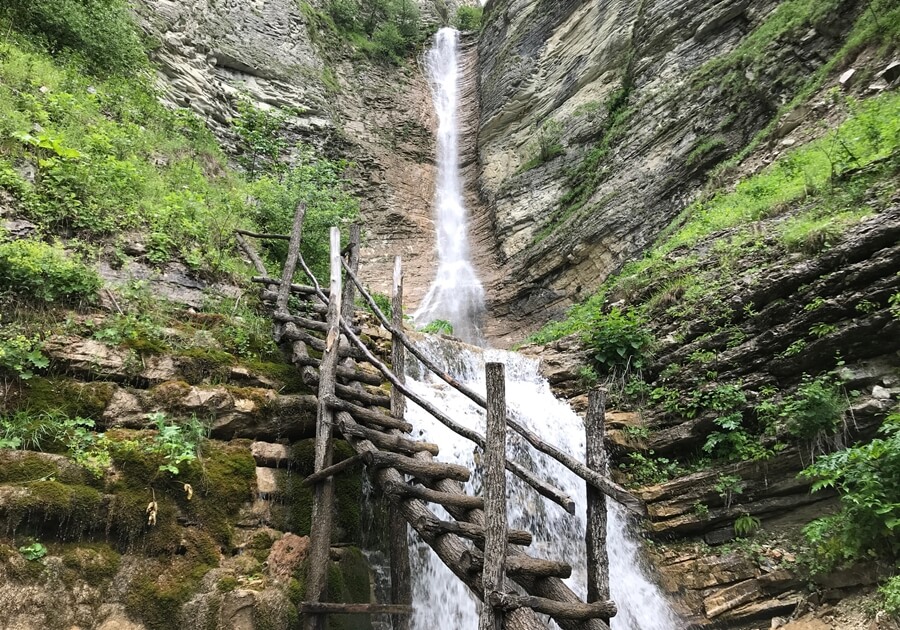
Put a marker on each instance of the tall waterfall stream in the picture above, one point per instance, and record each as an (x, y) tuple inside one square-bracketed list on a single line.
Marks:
[(440, 600)]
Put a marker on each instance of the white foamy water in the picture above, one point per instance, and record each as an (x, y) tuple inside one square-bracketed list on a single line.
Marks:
[(439, 598), (456, 295)]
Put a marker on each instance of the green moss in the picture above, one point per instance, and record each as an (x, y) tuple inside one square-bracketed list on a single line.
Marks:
[(95, 563), (156, 595), (201, 365), (19, 467), (227, 584), (287, 375), (70, 510), (297, 508), (349, 581), (66, 396)]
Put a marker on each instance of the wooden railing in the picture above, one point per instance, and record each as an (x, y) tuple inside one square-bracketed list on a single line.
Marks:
[(477, 544)]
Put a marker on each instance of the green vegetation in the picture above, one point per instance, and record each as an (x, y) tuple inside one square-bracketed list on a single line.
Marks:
[(438, 327), (746, 524), (32, 269), (34, 551), (865, 476), (468, 18), (618, 339), (102, 32), (382, 29), (20, 355), (705, 149), (890, 593), (547, 145)]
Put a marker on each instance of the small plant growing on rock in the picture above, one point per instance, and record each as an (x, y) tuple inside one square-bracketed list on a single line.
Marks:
[(746, 524), (617, 339), (34, 551), (438, 327), (728, 487)]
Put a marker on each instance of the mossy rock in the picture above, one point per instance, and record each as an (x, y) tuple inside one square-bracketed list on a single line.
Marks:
[(95, 563), (285, 374), (204, 365), (65, 511), (65, 396), (27, 466), (296, 512), (155, 595)]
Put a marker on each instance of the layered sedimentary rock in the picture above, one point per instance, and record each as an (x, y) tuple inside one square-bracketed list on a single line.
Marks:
[(622, 83)]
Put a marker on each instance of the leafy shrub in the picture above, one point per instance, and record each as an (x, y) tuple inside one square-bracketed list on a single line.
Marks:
[(438, 327), (547, 145), (177, 444), (815, 409), (389, 41), (345, 14), (34, 551), (102, 31), (320, 184), (648, 469), (865, 476), (21, 355), (33, 269), (746, 524), (468, 18), (617, 339), (890, 592)]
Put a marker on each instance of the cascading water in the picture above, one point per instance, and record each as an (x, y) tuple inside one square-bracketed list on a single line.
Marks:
[(440, 600), (456, 295)]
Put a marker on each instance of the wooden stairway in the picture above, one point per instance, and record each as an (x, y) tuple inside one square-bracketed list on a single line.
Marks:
[(476, 544)]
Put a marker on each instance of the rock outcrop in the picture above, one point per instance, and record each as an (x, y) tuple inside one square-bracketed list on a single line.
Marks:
[(640, 117)]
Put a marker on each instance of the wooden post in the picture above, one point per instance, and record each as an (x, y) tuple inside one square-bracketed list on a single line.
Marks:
[(290, 264), (348, 298), (323, 500), (597, 557), (401, 578), (398, 350), (493, 575)]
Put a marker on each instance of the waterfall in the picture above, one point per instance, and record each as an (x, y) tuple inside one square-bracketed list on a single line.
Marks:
[(456, 295), (440, 600)]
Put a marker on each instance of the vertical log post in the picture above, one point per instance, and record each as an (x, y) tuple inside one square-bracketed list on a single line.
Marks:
[(290, 264), (349, 297), (323, 500), (493, 574), (597, 557), (401, 579)]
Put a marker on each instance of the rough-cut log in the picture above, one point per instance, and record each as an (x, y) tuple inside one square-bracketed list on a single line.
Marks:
[(319, 344), (349, 374), (447, 499), (601, 482), (564, 610), (388, 442), (251, 253), (312, 379), (271, 237), (472, 561), (290, 264), (597, 557), (398, 354), (305, 307), (470, 531), (493, 576), (401, 573), (305, 322), (367, 416), (333, 470), (417, 468), (349, 297), (323, 499), (299, 289), (543, 488), (329, 608)]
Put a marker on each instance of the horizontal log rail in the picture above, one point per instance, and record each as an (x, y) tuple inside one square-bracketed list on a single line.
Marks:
[(389, 442), (565, 610), (275, 237), (470, 531), (416, 467), (473, 561), (329, 608)]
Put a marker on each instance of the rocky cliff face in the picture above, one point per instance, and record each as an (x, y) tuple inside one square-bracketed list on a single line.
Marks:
[(379, 115), (625, 93)]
